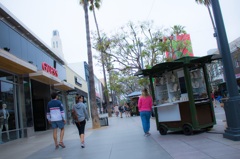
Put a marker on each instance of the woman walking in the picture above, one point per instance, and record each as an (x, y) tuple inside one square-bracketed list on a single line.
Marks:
[(145, 108), (80, 116), (116, 110), (127, 110)]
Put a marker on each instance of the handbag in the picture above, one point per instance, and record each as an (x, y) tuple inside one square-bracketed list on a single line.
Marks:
[(75, 117)]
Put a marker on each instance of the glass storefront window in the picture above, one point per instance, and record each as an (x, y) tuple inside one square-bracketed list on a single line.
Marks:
[(8, 122), (28, 103)]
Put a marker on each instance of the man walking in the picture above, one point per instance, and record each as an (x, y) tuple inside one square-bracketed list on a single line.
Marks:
[(56, 117)]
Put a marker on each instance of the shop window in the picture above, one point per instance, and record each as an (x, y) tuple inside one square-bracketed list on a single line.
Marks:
[(54, 64), (7, 109), (28, 103)]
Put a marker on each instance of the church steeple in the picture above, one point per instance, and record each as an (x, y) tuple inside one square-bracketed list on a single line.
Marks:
[(57, 44)]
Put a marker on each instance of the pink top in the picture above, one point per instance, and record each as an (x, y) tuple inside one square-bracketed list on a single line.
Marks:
[(145, 103)]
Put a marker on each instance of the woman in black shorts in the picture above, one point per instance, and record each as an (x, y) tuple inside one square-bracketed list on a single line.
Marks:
[(80, 116)]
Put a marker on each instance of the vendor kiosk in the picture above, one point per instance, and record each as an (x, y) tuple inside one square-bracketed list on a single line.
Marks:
[(181, 94)]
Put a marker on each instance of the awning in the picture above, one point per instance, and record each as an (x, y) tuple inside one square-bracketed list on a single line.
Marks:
[(13, 64), (134, 94), (44, 77), (207, 59), (158, 69), (65, 86)]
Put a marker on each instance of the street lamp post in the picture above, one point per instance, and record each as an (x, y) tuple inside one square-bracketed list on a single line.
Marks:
[(232, 105)]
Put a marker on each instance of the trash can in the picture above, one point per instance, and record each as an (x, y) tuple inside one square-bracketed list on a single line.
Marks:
[(104, 121)]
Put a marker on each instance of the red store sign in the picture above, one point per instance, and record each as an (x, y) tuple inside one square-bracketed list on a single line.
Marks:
[(49, 69)]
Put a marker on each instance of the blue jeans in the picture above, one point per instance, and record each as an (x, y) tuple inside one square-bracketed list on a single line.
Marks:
[(219, 99), (145, 117)]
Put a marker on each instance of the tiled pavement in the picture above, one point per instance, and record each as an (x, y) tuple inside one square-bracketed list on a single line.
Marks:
[(123, 138)]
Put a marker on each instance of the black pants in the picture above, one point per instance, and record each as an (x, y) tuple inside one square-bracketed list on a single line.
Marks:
[(81, 126)]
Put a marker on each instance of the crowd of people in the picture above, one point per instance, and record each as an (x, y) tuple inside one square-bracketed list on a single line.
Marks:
[(122, 109)]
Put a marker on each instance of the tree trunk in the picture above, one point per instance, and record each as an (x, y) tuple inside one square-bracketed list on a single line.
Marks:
[(93, 103), (106, 93)]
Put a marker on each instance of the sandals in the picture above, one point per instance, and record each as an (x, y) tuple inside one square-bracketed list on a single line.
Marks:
[(61, 144), (56, 147)]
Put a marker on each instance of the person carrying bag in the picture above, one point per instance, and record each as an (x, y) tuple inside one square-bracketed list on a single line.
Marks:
[(80, 116)]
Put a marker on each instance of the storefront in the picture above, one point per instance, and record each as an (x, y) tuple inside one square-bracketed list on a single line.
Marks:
[(80, 88), (29, 72), (12, 70)]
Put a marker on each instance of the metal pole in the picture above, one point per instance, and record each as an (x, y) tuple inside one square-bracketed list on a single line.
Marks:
[(232, 105)]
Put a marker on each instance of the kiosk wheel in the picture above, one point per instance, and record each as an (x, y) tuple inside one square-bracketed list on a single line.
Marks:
[(187, 129), (209, 128), (163, 130)]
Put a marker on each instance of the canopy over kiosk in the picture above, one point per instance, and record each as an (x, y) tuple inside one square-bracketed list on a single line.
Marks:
[(181, 93)]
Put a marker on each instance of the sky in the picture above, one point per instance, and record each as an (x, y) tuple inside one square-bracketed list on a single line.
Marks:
[(67, 16)]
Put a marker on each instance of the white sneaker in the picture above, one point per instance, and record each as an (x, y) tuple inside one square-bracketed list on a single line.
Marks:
[(82, 145), (147, 134)]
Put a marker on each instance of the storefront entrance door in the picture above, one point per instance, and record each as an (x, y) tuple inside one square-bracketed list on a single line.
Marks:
[(40, 98), (39, 115)]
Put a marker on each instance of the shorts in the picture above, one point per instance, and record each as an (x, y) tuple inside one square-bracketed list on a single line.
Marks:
[(57, 124)]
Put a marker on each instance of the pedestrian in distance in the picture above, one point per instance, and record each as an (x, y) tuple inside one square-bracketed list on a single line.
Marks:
[(213, 99), (121, 110), (81, 116), (145, 108), (218, 96), (127, 110), (56, 117), (116, 110)]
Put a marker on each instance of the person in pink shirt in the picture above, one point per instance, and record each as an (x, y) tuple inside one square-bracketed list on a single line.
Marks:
[(145, 108)]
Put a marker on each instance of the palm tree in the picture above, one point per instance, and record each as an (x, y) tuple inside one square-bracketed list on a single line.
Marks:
[(178, 29), (207, 3), (96, 4), (95, 117)]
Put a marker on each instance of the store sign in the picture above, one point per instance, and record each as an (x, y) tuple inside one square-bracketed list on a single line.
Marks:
[(49, 69), (72, 92), (78, 81)]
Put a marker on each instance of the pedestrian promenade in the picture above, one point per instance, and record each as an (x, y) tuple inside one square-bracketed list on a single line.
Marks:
[(124, 139)]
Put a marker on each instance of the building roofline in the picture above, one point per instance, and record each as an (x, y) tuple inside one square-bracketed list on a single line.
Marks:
[(11, 20)]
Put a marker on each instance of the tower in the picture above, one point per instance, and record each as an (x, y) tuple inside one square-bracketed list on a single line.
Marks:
[(57, 44)]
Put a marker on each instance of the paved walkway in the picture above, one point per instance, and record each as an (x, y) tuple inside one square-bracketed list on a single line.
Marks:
[(124, 138)]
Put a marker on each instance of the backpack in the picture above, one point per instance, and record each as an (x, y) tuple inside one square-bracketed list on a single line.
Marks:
[(120, 108)]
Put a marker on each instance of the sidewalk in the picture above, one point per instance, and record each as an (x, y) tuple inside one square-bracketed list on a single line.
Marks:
[(123, 138)]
